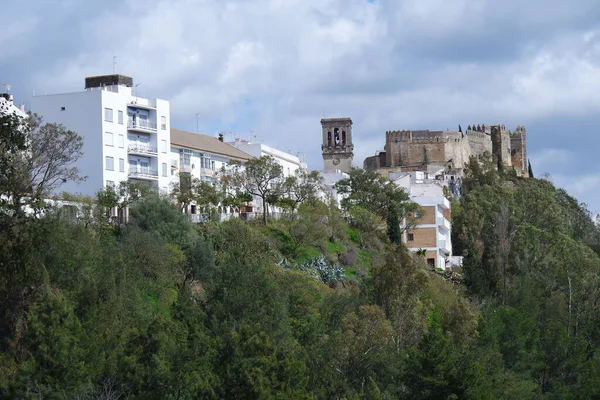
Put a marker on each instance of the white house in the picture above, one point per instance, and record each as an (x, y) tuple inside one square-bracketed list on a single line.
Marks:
[(289, 163), (125, 137), (432, 233)]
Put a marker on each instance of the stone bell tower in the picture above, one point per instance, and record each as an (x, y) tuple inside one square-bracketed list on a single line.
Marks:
[(337, 144)]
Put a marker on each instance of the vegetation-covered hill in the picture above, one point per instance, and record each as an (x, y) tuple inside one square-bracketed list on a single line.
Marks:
[(311, 307)]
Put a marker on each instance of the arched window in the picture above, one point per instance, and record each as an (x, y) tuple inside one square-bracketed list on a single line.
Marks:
[(329, 139), (343, 138), (336, 136)]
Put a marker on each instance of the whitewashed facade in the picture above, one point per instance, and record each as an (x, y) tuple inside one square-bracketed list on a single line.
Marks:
[(289, 163), (7, 105), (125, 137)]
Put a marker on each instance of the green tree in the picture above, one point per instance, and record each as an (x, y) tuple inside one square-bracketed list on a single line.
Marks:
[(373, 192), (301, 187), (259, 177)]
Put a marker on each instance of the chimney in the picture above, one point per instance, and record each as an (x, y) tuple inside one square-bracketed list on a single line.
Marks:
[(220, 137)]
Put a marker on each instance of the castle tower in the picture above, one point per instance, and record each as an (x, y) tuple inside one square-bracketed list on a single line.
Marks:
[(337, 147)]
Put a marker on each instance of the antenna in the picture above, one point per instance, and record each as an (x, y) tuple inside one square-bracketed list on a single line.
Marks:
[(135, 88), (114, 62), (197, 130), (6, 86)]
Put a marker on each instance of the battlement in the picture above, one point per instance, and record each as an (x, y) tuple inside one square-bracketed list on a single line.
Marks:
[(519, 132), (422, 136)]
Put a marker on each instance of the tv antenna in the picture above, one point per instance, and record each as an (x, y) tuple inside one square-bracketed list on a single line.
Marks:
[(114, 63)]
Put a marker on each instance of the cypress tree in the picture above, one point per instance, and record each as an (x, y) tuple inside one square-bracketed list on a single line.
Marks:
[(393, 226), (529, 170)]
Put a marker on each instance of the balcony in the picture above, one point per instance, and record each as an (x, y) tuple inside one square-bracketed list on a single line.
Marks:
[(207, 172), (141, 125), (146, 104), (142, 150), (443, 222), (444, 246), (185, 168), (143, 173)]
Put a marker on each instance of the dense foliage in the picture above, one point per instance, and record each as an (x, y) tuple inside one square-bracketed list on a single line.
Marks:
[(160, 308)]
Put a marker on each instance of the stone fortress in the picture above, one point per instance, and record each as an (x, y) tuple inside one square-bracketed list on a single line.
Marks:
[(447, 152)]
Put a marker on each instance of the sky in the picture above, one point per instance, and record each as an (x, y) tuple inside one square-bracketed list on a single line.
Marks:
[(271, 69)]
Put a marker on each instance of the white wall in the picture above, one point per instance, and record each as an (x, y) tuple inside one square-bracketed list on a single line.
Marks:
[(289, 163), (84, 113)]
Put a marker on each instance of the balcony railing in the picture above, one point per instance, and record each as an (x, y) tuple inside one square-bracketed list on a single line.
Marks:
[(141, 124), (141, 149), (207, 172), (143, 173), (442, 222)]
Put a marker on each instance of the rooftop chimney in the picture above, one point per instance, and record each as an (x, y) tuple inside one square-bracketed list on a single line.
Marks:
[(220, 137)]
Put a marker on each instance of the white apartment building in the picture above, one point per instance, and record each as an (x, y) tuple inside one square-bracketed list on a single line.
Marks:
[(432, 233), (289, 163), (125, 137)]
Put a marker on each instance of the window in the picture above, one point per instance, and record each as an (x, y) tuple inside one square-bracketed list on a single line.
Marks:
[(163, 145), (110, 184), (164, 169), (108, 139), (110, 163), (431, 262), (121, 141), (212, 165), (120, 117), (163, 123), (411, 237), (121, 165), (108, 114)]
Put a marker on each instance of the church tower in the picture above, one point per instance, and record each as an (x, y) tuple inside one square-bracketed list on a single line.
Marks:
[(337, 144)]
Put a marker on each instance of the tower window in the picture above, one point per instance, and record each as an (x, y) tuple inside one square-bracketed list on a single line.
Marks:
[(329, 139), (336, 136), (343, 138)]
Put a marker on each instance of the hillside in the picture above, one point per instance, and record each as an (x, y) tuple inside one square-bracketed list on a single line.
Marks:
[(324, 305)]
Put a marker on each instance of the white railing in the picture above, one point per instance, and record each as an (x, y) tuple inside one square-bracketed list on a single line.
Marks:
[(141, 124), (142, 149), (142, 172)]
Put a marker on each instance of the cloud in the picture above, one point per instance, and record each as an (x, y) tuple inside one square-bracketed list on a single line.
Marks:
[(277, 66)]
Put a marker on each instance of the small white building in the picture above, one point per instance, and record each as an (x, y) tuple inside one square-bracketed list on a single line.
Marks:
[(125, 137), (289, 163), (432, 232)]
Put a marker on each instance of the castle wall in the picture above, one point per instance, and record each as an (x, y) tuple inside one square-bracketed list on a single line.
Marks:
[(479, 143), (458, 150), (506, 148), (411, 149)]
